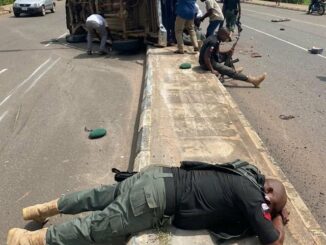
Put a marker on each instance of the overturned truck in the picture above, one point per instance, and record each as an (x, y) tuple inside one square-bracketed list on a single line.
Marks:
[(129, 20)]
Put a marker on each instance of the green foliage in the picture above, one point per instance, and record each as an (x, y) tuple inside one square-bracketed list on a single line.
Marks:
[(5, 2), (292, 1)]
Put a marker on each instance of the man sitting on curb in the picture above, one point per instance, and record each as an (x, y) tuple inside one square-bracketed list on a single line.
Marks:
[(198, 195), (210, 59)]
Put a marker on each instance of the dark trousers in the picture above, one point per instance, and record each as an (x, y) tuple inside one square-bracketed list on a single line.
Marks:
[(213, 25), (226, 71), (168, 18), (311, 4)]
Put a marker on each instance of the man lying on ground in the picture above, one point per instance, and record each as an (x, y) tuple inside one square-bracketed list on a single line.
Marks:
[(195, 196), (211, 58)]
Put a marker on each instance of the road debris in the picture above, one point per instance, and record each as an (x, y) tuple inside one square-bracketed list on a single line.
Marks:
[(315, 50), (95, 133), (185, 66), (282, 29), (255, 55), (280, 20), (284, 117)]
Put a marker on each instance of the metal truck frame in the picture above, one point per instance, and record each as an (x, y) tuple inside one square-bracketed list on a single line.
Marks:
[(127, 19)]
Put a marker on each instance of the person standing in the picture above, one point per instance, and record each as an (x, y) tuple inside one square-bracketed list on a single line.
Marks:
[(185, 11), (312, 3), (168, 17), (216, 17), (232, 13), (97, 25)]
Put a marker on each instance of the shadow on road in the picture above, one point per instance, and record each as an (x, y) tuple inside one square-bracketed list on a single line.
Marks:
[(127, 56)]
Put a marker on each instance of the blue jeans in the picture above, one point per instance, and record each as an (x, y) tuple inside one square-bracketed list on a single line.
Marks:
[(213, 25)]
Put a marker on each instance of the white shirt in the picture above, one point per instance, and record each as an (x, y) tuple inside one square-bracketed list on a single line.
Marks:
[(97, 18), (217, 12), (198, 11)]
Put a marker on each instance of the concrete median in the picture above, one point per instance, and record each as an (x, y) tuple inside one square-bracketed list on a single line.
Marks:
[(189, 115)]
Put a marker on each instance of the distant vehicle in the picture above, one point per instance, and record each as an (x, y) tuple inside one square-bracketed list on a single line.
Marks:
[(33, 7)]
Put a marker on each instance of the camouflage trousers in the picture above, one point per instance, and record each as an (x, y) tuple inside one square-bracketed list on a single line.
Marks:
[(119, 210)]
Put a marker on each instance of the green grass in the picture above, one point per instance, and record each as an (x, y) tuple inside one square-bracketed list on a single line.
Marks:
[(304, 2), (5, 2)]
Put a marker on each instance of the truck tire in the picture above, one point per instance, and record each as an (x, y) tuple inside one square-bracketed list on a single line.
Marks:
[(76, 38), (127, 46)]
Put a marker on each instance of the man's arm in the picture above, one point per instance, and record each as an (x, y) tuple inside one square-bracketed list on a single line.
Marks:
[(279, 226), (207, 59), (207, 14)]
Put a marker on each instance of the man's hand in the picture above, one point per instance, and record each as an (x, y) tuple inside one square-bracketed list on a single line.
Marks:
[(285, 215)]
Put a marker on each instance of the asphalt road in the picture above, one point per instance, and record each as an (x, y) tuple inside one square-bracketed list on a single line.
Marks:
[(295, 86), (49, 92)]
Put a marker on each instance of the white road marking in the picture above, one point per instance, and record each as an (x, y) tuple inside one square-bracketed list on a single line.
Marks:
[(25, 81), (282, 17), (3, 70), (3, 115), (5, 99), (41, 75), (282, 40), (64, 34), (46, 45)]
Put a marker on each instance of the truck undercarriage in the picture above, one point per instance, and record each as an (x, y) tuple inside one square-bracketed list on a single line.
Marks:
[(127, 19)]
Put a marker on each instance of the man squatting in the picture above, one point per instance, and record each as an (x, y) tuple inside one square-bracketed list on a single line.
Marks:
[(193, 198)]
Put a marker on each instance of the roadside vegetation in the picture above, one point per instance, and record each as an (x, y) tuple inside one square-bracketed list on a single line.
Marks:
[(305, 2), (5, 2)]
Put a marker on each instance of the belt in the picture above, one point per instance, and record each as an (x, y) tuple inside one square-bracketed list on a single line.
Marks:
[(170, 194)]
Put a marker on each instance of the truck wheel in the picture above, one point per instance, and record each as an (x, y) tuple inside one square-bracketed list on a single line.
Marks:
[(43, 12), (76, 38), (53, 8), (128, 46)]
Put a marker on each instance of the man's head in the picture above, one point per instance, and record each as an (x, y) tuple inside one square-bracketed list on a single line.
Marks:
[(223, 35), (275, 195)]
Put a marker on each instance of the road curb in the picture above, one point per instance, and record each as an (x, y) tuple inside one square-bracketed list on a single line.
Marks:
[(142, 158), (5, 9), (280, 7), (256, 147), (308, 219)]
